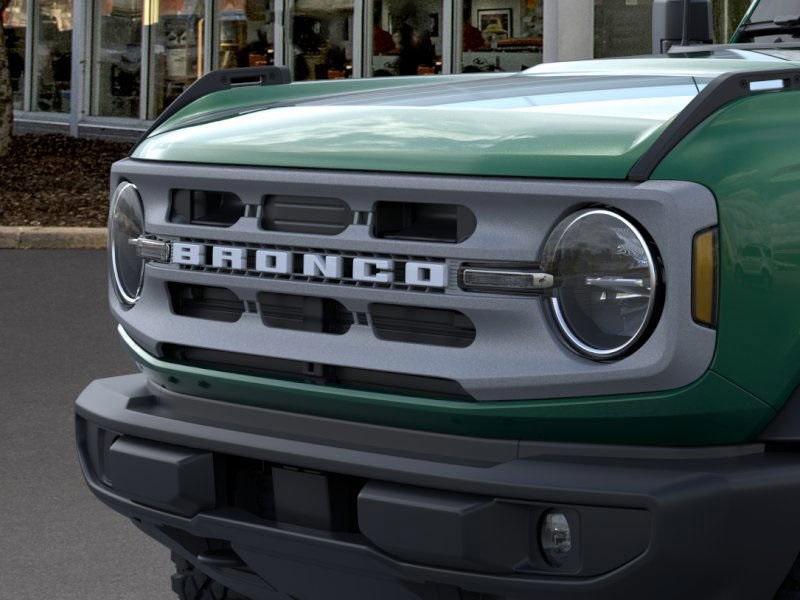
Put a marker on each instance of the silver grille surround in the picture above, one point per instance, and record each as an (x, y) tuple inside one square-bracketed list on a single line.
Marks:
[(517, 354)]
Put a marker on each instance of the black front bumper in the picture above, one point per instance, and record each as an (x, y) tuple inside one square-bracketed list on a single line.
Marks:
[(277, 505)]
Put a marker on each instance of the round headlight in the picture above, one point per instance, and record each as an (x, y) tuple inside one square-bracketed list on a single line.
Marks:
[(126, 222), (606, 282)]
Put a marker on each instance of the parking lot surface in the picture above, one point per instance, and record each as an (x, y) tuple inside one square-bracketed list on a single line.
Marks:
[(57, 542)]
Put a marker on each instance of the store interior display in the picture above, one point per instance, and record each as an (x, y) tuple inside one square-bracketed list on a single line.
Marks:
[(166, 41), (406, 37), (53, 58), (176, 59), (321, 39), (116, 89), (501, 35), (245, 33)]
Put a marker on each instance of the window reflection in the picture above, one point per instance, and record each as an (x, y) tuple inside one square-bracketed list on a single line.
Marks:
[(320, 39), (176, 57), (406, 37), (501, 39), (244, 31), (14, 25), (117, 68), (53, 56)]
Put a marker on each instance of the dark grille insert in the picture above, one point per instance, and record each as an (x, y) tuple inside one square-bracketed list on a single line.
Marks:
[(304, 313), (198, 207), (316, 373), (432, 326), (447, 223), (306, 214), (205, 302)]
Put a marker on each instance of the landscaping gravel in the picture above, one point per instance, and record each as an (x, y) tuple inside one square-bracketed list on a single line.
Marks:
[(56, 180)]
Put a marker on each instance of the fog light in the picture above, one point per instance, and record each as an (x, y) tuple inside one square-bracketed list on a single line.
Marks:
[(555, 538)]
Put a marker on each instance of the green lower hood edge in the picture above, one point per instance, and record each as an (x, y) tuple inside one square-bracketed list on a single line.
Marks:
[(711, 411)]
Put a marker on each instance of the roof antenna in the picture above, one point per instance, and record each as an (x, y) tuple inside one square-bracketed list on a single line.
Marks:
[(685, 34)]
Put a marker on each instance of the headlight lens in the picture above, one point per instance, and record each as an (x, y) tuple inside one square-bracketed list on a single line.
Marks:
[(605, 282), (126, 222)]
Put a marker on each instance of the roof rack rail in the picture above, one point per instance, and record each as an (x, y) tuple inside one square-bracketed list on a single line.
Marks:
[(721, 91), (223, 79)]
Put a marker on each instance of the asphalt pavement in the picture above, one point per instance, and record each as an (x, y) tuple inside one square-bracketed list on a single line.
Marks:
[(57, 542)]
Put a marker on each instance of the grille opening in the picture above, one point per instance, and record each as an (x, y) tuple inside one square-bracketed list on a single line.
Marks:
[(198, 207), (304, 313), (445, 223), (306, 214), (205, 302), (316, 373), (432, 326)]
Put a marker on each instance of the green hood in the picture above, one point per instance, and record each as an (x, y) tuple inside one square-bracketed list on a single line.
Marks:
[(589, 120)]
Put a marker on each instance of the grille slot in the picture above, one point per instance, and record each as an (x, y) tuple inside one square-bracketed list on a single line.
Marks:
[(424, 222), (198, 207), (431, 326), (306, 214), (304, 313), (316, 373), (205, 302)]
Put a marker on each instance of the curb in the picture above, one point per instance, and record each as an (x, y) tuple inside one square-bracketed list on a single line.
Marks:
[(53, 238)]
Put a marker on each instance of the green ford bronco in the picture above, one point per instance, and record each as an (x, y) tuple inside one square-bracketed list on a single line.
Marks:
[(477, 337)]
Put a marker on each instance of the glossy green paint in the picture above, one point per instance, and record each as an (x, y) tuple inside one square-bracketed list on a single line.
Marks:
[(710, 411), (246, 98), (586, 140), (412, 141), (748, 154)]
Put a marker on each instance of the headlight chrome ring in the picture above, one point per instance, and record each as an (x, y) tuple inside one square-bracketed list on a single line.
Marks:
[(126, 222), (606, 282)]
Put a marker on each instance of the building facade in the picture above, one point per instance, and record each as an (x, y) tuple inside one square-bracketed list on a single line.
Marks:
[(109, 66)]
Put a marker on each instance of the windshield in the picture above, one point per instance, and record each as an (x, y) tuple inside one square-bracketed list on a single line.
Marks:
[(769, 10), (772, 21)]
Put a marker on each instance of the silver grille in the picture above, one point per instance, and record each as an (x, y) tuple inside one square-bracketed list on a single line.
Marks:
[(517, 354)]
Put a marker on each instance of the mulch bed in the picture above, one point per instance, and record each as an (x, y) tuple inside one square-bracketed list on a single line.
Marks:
[(56, 180)]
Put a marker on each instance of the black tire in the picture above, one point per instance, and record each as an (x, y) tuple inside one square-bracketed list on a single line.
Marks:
[(190, 584)]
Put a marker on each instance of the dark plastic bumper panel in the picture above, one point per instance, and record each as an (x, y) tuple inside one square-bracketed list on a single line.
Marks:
[(661, 524)]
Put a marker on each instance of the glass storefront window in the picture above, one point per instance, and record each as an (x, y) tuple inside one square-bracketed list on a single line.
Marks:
[(176, 54), (53, 56), (15, 23), (244, 33), (320, 39), (623, 27), (117, 67), (406, 37), (501, 35)]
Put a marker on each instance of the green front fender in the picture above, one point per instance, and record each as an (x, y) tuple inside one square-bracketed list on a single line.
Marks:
[(748, 155)]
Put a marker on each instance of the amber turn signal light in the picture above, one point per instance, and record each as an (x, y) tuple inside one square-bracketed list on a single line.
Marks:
[(704, 277)]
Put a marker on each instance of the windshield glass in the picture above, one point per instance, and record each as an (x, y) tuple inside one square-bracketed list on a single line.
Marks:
[(769, 10)]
